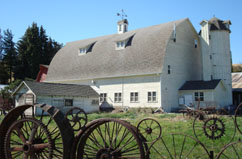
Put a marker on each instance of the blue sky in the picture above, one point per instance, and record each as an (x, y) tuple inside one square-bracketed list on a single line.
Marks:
[(70, 20)]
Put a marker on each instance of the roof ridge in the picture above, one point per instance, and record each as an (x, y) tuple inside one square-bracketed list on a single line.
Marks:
[(130, 31)]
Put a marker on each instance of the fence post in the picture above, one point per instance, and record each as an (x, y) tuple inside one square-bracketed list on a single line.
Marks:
[(211, 155)]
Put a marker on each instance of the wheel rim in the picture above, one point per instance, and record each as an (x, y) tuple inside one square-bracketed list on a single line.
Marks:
[(112, 139), (28, 138), (77, 118), (150, 129)]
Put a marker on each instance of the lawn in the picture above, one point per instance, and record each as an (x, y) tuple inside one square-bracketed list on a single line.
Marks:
[(178, 138)]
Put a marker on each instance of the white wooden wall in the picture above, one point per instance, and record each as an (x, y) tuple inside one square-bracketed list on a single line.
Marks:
[(125, 85), (58, 101), (185, 64)]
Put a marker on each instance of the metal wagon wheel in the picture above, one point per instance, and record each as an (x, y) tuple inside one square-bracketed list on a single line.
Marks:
[(231, 151), (178, 146), (110, 138), (77, 118), (215, 132), (28, 138), (51, 118), (150, 129), (238, 118)]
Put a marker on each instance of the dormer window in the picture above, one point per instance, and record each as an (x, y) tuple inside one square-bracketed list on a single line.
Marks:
[(86, 49), (124, 42), (83, 50), (120, 44)]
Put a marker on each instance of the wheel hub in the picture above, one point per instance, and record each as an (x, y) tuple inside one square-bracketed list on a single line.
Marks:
[(27, 148), (148, 130), (214, 127), (107, 153)]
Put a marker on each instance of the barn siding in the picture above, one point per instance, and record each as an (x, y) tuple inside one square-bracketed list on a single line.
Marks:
[(185, 65)]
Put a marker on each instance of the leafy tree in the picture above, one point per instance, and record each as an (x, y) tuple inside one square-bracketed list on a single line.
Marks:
[(34, 48), (9, 52)]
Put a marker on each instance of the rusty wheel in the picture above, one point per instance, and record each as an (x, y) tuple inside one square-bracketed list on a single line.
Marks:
[(231, 151), (215, 132), (238, 118), (77, 118), (150, 129), (48, 119), (178, 146), (110, 139), (28, 138), (214, 128)]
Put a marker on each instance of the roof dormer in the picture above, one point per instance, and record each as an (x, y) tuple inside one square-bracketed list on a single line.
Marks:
[(122, 26)]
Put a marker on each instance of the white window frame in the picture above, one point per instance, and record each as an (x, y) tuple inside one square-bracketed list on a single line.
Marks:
[(134, 97), (103, 97), (152, 96), (82, 51), (120, 44), (199, 95), (118, 97)]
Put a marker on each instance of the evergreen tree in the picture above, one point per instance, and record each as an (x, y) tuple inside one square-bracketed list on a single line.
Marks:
[(1, 46), (9, 52), (34, 48), (3, 70)]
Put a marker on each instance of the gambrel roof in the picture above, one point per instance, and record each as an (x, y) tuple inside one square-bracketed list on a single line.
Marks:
[(144, 55)]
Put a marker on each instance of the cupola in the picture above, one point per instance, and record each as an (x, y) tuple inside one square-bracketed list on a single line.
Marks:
[(122, 26)]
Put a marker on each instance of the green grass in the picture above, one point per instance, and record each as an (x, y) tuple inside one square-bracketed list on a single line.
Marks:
[(177, 134)]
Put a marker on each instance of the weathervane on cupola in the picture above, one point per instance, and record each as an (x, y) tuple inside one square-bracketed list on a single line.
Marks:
[(122, 24)]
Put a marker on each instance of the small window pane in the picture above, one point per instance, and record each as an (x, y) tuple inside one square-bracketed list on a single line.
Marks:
[(68, 102), (152, 96), (149, 93)]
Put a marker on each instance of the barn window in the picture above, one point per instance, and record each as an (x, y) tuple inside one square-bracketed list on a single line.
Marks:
[(86, 49), (68, 102), (95, 102), (134, 97), (117, 97), (83, 50), (169, 69), (152, 96), (199, 96), (195, 43), (103, 97), (120, 44)]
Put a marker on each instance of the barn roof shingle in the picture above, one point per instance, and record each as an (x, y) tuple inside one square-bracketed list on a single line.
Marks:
[(57, 89), (144, 56), (200, 85)]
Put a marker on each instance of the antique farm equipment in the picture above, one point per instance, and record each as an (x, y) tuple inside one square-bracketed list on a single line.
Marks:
[(77, 117), (109, 138), (35, 137), (57, 135)]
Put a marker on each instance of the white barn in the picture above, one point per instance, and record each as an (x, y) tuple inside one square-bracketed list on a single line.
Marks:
[(62, 96), (164, 65)]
